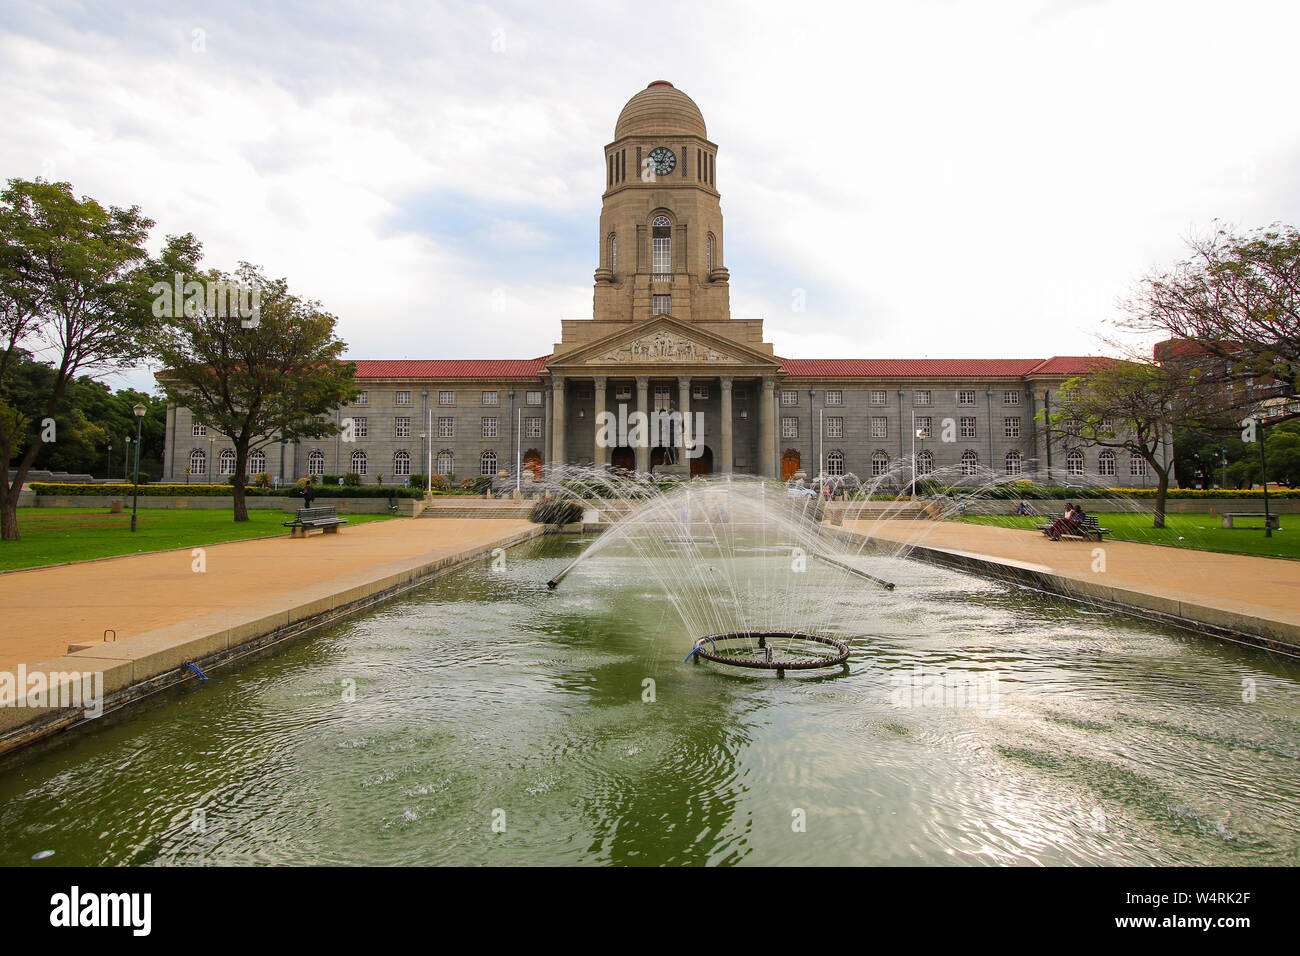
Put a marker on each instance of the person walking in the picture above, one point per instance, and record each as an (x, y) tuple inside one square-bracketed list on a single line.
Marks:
[(308, 493)]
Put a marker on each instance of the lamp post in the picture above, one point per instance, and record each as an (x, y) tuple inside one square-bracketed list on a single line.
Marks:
[(139, 411), (108, 464), (1223, 453), (519, 421), (126, 459)]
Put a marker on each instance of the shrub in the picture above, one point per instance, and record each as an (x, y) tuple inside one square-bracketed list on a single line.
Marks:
[(440, 483), (556, 511), (263, 479), (350, 480)]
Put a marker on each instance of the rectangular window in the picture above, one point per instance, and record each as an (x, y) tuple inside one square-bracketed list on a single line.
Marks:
[(967, 426), (533, 398), (700, 391), (532, 428), (663, 398), (789, 396), (489, 428), (1011, 428), (663, 305), (921, 396), (739, 394), (661, 252), (403, 398), (879, 396), (198, 430), (924, 426), (361, 426), (966, 397), (401, 428), (443, 464), (789, 427), (446, 398), (835, 427), (622, 393), (363, 398), (879, 426), (1010, 397), (834, 396), (491, 398), (1137, 467), (446, 428)]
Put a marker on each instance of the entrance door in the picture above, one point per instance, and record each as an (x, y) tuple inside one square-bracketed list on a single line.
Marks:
[(622, 458), (789, 464), (533, 462), (702, 465)]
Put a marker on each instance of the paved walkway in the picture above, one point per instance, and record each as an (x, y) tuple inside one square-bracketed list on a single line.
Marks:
[(1266, 587), (45, 610)]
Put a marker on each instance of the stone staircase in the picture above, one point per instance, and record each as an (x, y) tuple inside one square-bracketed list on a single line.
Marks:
[(478, 508)]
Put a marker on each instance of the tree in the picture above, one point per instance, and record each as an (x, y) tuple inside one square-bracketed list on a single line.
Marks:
[(74, 281), (1136, 406), (255, 379), (1282, 451), (1236, 298)]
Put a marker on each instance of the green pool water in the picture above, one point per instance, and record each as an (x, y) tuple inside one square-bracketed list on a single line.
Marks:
[(485, 719)]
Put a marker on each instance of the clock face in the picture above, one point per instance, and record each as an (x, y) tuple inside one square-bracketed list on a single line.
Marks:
[(662, 160)]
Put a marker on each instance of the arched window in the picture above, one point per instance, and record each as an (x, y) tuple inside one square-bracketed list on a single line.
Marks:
[(925, 463), (446, 462), (360, 462), (198, 462), (1014, 462), (661, 246), (879, 463), (613, 253), (257, 462), (402, 464), (708, 252), (969, 463), (227, 462), (487, 463), (1137, 466), (1106, 464), (835, 463), (316, 463), (1074, 464)]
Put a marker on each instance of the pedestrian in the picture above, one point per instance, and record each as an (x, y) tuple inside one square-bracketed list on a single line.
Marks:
[(308, 493)]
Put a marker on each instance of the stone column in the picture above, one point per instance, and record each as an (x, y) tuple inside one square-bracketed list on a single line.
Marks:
[(600, 455), (643, 406), (727, 452), (767, 429), (557, 421), (684, 407)]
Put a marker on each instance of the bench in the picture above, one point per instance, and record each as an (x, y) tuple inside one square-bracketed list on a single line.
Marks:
[(1090, 529), (326, 519), (1272, 521)]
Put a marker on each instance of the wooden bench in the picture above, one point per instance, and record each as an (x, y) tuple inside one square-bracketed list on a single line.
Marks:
[(326, 519), (1272, 521), (1089, 530)]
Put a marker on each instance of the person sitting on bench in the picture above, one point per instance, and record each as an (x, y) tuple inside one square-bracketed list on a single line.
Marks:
[(1069, 523)]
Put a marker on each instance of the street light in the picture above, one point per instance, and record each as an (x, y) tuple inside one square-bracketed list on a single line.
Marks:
[(139, 411)]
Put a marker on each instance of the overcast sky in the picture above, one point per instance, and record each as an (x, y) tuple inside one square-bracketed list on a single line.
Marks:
[(939, 179)]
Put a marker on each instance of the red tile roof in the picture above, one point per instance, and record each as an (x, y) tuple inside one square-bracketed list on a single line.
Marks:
[(450, 368), (907, 368), (1072, 364)]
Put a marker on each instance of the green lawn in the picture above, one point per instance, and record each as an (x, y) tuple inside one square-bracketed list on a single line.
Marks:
[(64, 535), (1198, 532)]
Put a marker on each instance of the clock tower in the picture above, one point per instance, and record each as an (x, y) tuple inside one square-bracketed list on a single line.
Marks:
[(661, 248)]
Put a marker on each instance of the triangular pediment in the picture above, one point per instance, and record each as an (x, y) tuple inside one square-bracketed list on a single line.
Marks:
[(663, 342)]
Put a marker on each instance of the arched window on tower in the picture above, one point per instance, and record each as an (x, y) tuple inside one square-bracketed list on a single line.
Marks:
[(613, 253), (661, 248), (708, 252)]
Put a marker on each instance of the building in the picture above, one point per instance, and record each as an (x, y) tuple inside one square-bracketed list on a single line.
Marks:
[(662, 338)]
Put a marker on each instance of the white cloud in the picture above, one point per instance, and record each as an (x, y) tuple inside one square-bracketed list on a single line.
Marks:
[(940, 179)]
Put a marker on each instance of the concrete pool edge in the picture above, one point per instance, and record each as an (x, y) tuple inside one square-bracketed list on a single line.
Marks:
[(137, 666), (1255, 629)]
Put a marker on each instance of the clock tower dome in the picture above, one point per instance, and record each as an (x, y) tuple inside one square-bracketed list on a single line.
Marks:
[(660, 221)]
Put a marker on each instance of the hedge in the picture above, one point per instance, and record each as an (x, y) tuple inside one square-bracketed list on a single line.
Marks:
[(212, 491), (557, 511)]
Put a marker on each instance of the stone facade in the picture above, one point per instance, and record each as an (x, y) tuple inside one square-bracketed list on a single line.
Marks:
[(662, 337)]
